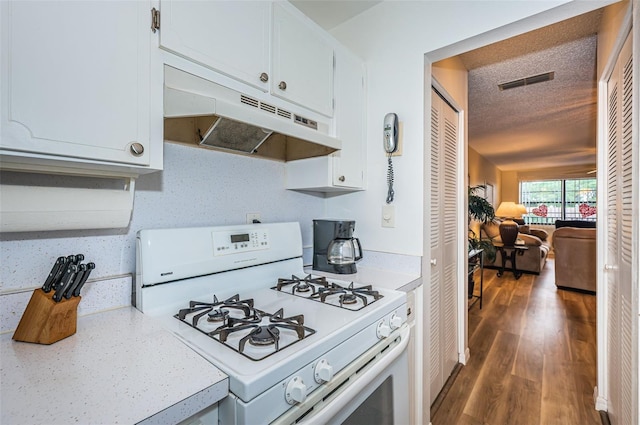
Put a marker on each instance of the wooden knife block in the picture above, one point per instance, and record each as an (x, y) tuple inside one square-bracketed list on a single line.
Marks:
[(45, 321)]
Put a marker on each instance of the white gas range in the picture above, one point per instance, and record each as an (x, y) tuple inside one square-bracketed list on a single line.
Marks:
[(296, 348)]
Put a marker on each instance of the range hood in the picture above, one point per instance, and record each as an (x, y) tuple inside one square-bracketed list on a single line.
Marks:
[(206, 114)]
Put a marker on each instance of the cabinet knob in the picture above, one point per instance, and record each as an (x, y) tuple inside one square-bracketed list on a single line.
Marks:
[(341, 178), (264, 77), (136, 149), (282, 85)]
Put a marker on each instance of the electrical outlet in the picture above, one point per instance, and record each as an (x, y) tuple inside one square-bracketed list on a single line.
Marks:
[(252, 216), (388, 216)]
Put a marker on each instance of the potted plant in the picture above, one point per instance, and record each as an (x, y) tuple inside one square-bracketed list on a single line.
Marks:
[(482, 211)]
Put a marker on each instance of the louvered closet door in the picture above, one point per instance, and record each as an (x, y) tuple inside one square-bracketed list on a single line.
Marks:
[(443, 285), (622, 309)]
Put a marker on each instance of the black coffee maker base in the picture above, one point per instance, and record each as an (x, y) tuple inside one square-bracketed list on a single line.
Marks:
[(346, 269), (320, 264)]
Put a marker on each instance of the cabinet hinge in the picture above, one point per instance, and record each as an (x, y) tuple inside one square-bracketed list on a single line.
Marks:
[(155, 19)]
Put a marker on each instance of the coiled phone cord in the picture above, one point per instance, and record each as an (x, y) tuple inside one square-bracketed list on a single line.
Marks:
[(390, 193)]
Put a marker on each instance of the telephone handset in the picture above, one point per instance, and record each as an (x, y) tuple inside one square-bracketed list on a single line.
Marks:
[(390, 132), (390, 142)]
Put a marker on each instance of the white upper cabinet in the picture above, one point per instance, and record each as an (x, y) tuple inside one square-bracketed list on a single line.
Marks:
[(230, 37), (267, 45), (348, 170), (302, 64), (75, 84), (344, 170)]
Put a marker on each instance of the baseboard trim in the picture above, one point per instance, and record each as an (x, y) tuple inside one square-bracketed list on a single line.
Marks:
[(600, 402)]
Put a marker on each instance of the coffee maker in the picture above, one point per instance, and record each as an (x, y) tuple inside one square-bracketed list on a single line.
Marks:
[(335, 250)]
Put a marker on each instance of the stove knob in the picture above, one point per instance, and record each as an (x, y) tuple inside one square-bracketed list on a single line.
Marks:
[(383, 330), (296, 391), (395, 322), (323, 372)]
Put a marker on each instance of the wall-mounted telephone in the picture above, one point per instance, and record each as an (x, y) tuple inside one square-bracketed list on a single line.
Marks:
[(390, 142), (390, 132)]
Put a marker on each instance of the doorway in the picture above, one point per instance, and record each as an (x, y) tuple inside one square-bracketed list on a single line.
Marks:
[(462, 329)]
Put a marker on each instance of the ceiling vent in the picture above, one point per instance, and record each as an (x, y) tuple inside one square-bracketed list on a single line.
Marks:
[(540, 78)]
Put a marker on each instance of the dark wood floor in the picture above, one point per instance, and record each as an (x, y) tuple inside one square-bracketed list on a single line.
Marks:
[(533, 357)]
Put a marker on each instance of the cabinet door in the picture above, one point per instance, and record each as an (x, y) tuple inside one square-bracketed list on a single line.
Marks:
[(75, 79), (302, 63), (230, 37), (348, 163)]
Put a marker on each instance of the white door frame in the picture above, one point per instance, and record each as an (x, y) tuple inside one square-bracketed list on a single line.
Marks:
[(552, 16)]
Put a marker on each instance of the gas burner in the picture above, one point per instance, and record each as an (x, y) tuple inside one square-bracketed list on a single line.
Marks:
[(348, 299), (217, 315), (199, 309), (302, 285), (264, 335)]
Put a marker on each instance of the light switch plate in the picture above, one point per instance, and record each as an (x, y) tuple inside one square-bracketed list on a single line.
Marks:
[(388, 216)]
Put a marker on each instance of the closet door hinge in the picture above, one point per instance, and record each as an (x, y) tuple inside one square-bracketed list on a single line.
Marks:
[(155, 19)]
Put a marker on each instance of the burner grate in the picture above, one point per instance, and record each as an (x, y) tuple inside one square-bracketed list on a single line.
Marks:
[(349, 294), (255, 326), (347, 297), (302, 285)]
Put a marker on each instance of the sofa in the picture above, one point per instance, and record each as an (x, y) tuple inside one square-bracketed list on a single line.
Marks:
[(533, 259), (575, 223), (575, 258)]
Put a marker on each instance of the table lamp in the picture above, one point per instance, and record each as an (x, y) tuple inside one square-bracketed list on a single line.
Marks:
[(509, 228)]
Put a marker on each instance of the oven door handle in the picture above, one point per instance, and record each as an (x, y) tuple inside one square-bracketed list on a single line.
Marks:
[(337, 405)]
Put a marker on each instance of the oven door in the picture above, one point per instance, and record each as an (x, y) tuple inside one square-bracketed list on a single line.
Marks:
[(372, 390)]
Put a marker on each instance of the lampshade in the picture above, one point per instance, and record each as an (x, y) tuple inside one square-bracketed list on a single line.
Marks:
[(509, 209), (521, 210)]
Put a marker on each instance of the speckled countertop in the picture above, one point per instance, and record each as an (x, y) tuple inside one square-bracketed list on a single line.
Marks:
[(376, 277), (119, 367)]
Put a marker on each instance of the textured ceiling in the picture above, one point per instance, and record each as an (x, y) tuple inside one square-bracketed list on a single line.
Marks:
[(545, 125)]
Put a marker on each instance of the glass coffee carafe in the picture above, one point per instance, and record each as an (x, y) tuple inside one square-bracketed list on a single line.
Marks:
[(344, 252)]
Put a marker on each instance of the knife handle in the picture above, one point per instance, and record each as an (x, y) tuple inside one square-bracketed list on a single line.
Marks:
[(58, 279), (85, 276), (48, 283), (82, 268), (78, 260), (67, 280)]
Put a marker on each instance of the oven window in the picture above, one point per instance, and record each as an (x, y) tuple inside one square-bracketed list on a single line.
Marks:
[(377, 409)]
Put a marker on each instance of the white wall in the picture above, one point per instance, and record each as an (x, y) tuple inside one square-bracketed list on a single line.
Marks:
[(393, 38), (198, 187)]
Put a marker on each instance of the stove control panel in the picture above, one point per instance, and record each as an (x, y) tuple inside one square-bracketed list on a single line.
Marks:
[(235, 242)]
